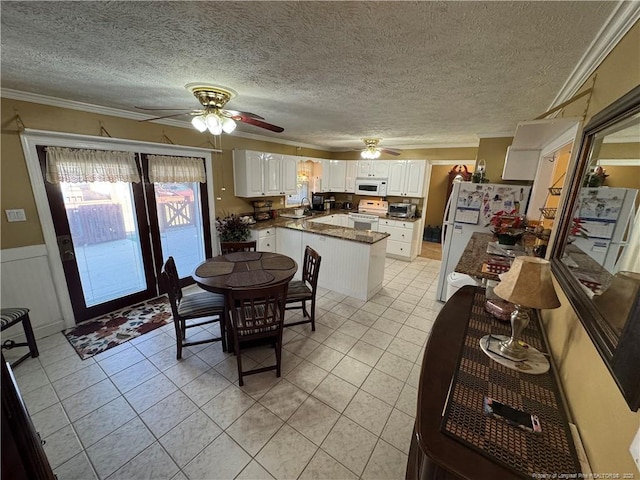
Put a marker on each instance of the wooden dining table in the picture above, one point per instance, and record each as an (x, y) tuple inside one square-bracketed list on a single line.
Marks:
[(243, 270)]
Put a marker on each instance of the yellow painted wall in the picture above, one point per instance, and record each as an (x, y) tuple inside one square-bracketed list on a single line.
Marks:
[(606, 424), (437, 195), (16, 191)]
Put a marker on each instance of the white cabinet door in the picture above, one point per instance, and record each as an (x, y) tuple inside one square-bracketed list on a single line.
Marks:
[(406, 178), (342, 220), (338, 175), (272, 164), (289, 171), (247, 173), (414, 183), (362, 168), (350, 177), (397, 174), (379, 168)]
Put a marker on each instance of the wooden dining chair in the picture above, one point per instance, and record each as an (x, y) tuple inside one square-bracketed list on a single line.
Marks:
[(192, 310), (257, 316), (230, 247), (301, 291)]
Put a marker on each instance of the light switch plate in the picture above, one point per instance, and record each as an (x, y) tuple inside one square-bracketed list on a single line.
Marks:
[(16, 215), (635, 449)]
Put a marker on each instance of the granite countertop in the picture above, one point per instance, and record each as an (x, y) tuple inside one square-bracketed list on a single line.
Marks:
[(303, 224), (475, 255)]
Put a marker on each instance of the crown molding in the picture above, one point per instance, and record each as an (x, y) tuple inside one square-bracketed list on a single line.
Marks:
[(619, 162), (624, 16), (116, 112), (496, 134)]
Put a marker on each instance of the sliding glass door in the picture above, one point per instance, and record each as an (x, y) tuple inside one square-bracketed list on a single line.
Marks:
[(114, 236)]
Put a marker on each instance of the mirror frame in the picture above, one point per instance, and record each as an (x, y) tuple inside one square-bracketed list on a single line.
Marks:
[(621, 354)]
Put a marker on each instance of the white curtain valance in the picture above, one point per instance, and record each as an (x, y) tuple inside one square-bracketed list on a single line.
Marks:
[(75, 165), (169, 169)]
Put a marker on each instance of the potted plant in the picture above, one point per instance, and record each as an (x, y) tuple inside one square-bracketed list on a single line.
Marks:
[(507, 226), (233, 228)]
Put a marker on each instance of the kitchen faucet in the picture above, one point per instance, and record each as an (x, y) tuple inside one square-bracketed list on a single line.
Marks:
[(307, 207)]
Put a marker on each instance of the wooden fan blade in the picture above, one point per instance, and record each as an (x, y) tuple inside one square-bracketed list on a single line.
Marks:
[(390, 151), (259, 123), (169, 116), (236, 113)]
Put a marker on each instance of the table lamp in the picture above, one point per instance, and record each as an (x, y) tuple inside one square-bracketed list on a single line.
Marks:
[(527, 284)]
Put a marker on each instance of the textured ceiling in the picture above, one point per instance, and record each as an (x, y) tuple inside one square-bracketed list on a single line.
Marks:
[(330, 73)]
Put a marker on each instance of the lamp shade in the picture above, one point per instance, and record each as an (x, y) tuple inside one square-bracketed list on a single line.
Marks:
[(528, 283)]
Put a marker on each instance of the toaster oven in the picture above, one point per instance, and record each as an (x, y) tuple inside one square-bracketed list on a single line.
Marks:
[(402, 210)]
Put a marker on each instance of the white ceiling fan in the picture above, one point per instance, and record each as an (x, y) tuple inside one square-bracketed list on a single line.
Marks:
[(372, 150)]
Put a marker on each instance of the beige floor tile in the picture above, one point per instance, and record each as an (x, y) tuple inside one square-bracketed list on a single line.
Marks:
[(352, 370), (386, 462), (377, 338), (223, 456), (324, 466), (365, 353), (383, 386), (368, 412), (407, 350), (284, 399), (254, 471), (335, 392), (314, 420), (189, 437), (205, 387), (153, 462), (307, 376), (398, 430), (340, 342), (254, 428), (325, 357), (286, 454), (395, 366), (228, 406), (350, 444)]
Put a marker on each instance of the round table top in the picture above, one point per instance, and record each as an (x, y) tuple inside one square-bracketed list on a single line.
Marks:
[(240, 270)]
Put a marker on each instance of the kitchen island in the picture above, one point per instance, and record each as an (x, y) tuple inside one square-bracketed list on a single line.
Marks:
[(352, 260)]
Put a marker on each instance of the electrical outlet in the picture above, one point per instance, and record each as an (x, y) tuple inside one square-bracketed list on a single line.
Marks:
[(281, 201), (16, 215), (635, 449), (415, 201)]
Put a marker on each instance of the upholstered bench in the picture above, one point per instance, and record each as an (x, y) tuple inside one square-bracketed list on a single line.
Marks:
[(8, 318)]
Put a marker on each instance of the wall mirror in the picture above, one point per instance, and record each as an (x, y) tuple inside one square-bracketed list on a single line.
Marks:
[(596, 254)]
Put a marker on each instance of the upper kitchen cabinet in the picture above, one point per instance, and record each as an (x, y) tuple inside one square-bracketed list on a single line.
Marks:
[(529, 142), (373, 169), (257, 174), (334, 174), (406, 178), (350, 178)]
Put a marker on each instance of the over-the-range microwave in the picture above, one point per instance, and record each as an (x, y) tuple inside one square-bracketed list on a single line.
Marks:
[(376, 187)]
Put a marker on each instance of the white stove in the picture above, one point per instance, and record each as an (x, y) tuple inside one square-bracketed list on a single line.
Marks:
[(368, 216)]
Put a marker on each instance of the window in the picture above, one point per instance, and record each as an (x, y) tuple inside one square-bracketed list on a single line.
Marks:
[(304, 172)]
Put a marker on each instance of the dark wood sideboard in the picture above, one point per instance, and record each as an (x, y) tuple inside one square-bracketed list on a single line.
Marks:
[(23, 456), (452, 438)]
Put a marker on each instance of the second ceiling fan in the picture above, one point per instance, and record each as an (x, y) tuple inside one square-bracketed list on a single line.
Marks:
[(372, 150), (213, 116)]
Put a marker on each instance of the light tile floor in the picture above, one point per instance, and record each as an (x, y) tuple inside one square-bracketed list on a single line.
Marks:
[(343, 409)]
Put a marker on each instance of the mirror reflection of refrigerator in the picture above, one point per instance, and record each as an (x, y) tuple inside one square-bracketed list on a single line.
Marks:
[(469, 209), (605, 214)]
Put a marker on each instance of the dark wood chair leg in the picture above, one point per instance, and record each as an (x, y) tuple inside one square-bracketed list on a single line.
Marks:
[(31, 339), (313, 314), (239, 361)]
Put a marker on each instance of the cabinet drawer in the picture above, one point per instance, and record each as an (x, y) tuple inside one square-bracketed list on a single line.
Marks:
[(397, 224), (267, 232), (398, 248), (397, 234), (267, 244)]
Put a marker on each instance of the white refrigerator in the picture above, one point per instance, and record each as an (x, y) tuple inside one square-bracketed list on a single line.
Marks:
[(469, 209), (607, 216)]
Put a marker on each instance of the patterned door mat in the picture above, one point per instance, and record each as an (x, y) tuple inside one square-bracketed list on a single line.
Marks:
[(102, 333)]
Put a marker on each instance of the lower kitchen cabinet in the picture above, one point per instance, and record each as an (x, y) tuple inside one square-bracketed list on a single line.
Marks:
[(289, 243), (404, 240), (265, 238)]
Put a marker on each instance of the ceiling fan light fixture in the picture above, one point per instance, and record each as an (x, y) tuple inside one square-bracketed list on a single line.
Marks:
[(228, 125), (214, 124), (199, 123)]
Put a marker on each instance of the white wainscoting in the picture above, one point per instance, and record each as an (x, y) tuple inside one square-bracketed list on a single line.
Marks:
[(27, 282)]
